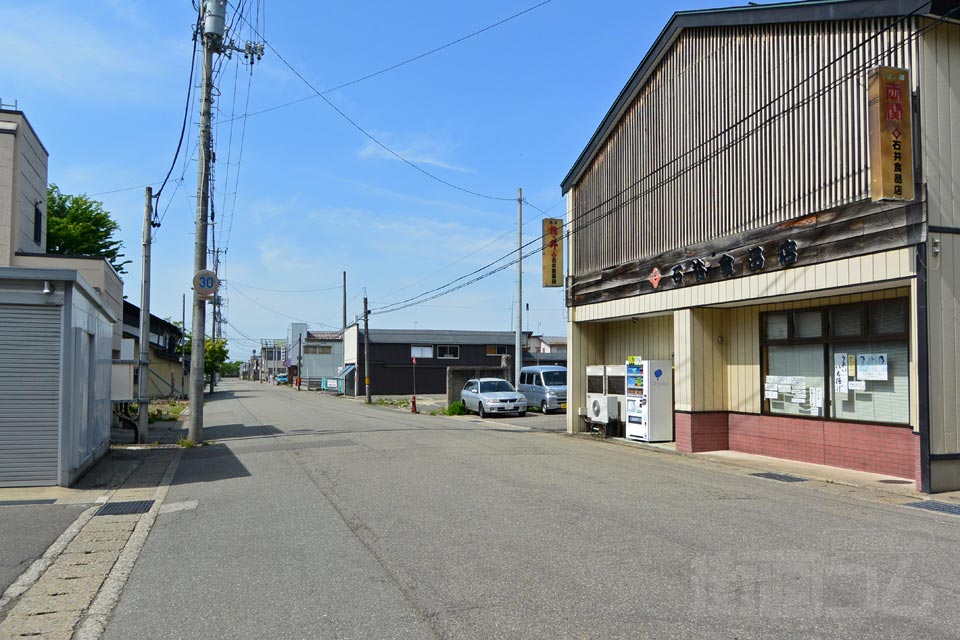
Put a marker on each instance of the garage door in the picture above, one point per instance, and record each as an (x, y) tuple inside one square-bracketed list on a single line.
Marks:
[(29, 394)]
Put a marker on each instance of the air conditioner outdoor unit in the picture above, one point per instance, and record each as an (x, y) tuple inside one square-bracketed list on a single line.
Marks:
[(601, 408)]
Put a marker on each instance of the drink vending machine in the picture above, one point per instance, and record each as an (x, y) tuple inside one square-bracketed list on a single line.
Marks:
[(649, 395)]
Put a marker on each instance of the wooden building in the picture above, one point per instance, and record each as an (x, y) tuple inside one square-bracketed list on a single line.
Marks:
[(727, 215), (392, 352)]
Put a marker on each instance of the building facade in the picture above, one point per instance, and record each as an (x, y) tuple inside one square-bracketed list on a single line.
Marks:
[(392, 352), (58, 331), (319, 354), (727, 216)]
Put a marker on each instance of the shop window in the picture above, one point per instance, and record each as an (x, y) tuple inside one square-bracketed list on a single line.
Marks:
[(795, 380), (846, 321), (809, 324), (858, 371)]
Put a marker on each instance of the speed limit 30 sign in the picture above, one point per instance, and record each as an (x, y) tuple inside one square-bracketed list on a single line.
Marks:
[(205, 284)]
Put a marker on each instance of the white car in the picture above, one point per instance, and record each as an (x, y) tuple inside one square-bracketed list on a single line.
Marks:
[(488, 396)]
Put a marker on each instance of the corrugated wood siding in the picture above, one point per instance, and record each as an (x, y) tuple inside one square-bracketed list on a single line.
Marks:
[(940, 119), (29, 395), (710, 148), (944, 315), (586, 347), (650, 338)]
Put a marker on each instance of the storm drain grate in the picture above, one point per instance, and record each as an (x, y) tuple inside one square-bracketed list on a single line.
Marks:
[(23, 503), (124, 508), (935, 505), (779, 477)]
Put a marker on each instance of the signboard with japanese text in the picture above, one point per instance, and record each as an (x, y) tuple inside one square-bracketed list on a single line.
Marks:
[(891, 140), (552, 252)]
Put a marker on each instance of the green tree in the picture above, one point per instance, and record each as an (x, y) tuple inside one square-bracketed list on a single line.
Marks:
[(215, 353), (80, 226), (231, 368)]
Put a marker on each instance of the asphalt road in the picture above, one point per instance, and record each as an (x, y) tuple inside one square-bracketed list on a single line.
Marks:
[(27, 531), (318, 517)]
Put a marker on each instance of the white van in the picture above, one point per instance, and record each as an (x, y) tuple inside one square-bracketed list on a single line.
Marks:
[(545, 387)]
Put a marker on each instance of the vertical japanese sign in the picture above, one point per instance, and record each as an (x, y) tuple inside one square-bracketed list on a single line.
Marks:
[(891, 140), (552, 252)]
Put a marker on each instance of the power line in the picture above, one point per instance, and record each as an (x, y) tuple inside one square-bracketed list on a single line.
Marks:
[(440, 291), (401, 64), (366, 133), (186, 114), (283, 315), (250, 286)]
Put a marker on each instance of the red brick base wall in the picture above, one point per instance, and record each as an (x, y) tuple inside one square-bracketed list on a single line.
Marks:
[(891, 451), (917, 471), (864, 447), (697, 432)]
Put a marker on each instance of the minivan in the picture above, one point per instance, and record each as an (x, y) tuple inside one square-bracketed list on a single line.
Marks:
[(544, 386)]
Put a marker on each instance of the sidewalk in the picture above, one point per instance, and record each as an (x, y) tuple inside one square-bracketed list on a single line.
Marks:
[(75, 583)]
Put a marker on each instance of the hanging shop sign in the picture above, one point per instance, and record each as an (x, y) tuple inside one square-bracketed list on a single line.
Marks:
[(891, 140), (552, 252)]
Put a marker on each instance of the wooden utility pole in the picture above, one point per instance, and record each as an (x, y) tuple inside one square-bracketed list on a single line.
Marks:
[(518, 353), (299, 360), (344, 302), (366, 349), (143, 375), (212, 38)]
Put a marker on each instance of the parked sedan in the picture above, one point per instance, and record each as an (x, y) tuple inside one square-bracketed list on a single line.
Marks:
[(487, 396)]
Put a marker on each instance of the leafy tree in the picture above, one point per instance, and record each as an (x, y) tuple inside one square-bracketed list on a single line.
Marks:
[(80, 226), (231, 368), (215, 354)]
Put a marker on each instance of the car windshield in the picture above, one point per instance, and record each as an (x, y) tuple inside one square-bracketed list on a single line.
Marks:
[(555, 378), (490, 386)]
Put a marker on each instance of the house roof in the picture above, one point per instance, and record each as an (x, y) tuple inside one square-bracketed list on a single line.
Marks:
[(787, 12), (324, 336), (441, 336), (131, 310)]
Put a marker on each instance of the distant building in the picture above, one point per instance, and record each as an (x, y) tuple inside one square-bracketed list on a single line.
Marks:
[(168, 378), (392, 352), (320, 354)]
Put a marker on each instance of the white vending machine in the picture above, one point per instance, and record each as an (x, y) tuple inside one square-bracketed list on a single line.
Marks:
[(649, 395)]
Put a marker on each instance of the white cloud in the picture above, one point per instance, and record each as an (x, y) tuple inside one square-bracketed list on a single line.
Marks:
[(422, 150)]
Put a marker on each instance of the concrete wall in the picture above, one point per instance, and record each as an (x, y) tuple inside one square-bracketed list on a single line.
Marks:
[(23, 184)]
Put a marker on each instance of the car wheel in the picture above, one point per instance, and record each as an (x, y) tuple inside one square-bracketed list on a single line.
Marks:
[(543, 408), (480, 411)]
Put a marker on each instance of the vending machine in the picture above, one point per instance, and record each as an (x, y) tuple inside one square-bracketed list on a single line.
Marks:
[(649, 396)]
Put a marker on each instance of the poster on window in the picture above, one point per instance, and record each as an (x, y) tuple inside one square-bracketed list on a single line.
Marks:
[(872, 366), (840, 372)]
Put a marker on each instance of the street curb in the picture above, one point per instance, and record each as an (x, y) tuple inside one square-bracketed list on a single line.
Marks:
[(94, 622)]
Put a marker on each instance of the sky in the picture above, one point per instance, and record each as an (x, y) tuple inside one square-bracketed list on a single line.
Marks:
[(301, 194)]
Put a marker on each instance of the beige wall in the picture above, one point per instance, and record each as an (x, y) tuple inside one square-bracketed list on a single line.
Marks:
[(97, 272), (23, 183)]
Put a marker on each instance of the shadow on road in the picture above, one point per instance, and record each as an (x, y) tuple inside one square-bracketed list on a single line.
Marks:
[(209, 464)]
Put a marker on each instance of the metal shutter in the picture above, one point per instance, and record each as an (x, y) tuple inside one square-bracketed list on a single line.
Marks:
[(29, 395)]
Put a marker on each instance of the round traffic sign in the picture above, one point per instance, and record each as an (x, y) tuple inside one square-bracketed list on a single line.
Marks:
[(205, 284)]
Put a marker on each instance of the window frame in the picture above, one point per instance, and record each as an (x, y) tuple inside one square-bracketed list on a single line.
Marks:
[(414, 354), (37, 223), (826, 340), (496, 348), (455, 347)]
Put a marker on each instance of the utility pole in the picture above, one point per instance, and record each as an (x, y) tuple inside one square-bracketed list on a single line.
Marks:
[(143, 386), (299, 360), (344, 302), (214, 24), (366, 349), (183, 346), (212, 37), (518, 353)]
